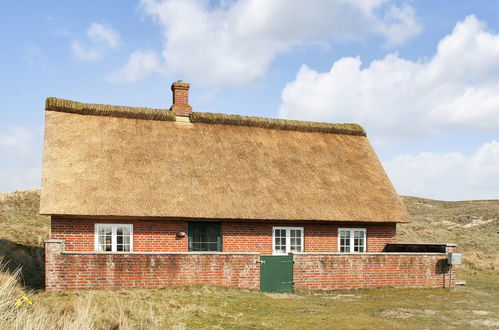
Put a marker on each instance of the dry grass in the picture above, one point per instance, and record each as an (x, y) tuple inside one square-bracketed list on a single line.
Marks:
[(19, 219), (55, 104), (283, 124), (80, 310), (472, 225)]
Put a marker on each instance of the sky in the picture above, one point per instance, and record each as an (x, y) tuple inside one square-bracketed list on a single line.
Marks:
[(422, 77)]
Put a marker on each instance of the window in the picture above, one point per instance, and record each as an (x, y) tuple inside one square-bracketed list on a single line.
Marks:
[(113, 238), (205, 236), (352, 240), (287, 239)]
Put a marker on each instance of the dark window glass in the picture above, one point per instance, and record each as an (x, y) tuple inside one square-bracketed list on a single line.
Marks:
[(205, 236)]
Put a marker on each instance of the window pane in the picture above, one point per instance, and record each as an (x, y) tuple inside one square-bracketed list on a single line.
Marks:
[(280, 241), (295, 240), (345, 241), (204, 236), (104, 239), (359, 240)]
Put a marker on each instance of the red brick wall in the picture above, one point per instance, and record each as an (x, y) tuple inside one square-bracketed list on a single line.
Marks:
[(160, 235), (257, 237), (320, 271), (77, 270), (148, 235), (346, 271)]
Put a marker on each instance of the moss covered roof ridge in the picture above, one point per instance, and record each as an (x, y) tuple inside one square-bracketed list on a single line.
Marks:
[(68, 106), (281, 124)]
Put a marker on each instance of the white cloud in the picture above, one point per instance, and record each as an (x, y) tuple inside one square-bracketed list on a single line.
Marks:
[(458, 88), (104, 33), (20, 152), (139, 65), (451, 176), (34, 56), (234, 42), (102, 38), (85, 54), (403, 25)]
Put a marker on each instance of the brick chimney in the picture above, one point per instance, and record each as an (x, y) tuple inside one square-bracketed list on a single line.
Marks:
[(180, 104)]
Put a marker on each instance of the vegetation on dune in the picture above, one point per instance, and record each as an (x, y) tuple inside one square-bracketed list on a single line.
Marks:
[(472, 225), (19, 219)]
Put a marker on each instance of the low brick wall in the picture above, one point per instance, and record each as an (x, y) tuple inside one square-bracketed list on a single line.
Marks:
[(315, 271), (81, 270), (321, 271)]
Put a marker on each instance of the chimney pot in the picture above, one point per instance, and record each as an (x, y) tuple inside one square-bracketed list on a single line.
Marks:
[(180, 106)]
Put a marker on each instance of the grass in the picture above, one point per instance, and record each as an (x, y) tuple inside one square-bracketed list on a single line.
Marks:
[(19, 219)]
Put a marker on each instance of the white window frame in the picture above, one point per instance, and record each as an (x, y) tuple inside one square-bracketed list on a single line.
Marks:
[(352, 239), (114, 244), (288, 240)]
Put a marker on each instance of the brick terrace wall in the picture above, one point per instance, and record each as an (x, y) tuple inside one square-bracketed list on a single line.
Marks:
[(314, 271), (160, 235), (78, 270), (347, 271)]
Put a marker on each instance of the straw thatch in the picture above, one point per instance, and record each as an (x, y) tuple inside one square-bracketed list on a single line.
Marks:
[(284, 124), (109, 166), (55, 104)]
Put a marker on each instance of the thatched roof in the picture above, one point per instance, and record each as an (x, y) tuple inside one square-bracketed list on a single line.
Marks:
[(118, 163)]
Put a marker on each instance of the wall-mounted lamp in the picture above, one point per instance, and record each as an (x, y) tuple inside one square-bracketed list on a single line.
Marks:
[(181, 234)]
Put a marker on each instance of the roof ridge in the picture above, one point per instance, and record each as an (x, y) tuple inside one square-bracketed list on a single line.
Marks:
[(281, 124), (68, 106), (62, 105)]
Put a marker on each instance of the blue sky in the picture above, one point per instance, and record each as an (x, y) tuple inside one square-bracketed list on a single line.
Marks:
[(421, 76)]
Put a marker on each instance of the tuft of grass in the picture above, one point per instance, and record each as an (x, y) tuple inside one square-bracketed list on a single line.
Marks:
[(282, 124), (80, 310)]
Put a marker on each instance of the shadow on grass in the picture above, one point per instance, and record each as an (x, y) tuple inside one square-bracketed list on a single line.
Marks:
[(31, 260)]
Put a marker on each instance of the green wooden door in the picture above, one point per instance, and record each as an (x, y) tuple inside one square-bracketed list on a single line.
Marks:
[(276, 273)]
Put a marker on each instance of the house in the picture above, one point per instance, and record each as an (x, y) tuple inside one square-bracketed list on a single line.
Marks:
[(144, 197)]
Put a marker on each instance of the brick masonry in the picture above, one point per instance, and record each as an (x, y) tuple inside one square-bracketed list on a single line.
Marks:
[(161, 235), (76, 270), (349, 271), (161, 259), (180, 93)]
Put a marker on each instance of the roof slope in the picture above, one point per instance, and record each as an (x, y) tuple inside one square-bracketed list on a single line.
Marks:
[(108, 165)]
